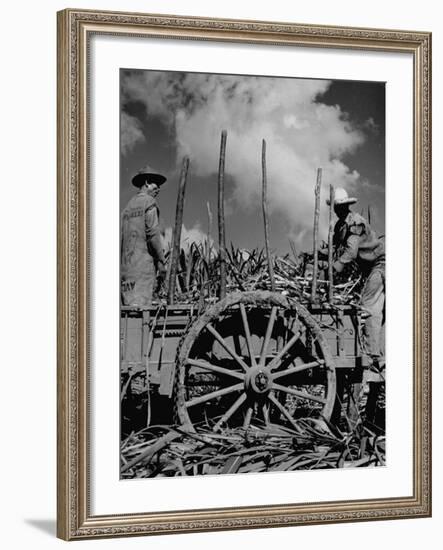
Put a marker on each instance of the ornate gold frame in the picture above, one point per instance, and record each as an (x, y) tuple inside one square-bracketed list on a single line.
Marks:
[(73, 516)]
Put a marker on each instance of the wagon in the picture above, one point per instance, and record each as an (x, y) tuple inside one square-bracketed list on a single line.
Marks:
[(248, 358), (253, 357)]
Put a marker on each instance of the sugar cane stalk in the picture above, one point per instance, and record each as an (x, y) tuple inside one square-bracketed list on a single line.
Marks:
[(316, 218), (221, 215), (208, 208), (208, 248), (148, 453), (264, 200), (175, 253), (331, 244)]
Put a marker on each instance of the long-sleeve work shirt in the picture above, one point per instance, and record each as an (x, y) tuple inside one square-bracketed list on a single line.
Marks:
[(141, 239), (355, 240)]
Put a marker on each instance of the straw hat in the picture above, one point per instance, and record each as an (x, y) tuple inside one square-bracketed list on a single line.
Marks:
[(341, 197), (147, 172)]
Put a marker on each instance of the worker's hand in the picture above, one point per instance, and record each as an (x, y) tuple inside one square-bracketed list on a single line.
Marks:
[(161, 271), (338, 266), (322, 271), (309, 268)]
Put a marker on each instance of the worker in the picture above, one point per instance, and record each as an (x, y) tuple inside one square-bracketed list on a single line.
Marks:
[(142, 257), (355, 240)]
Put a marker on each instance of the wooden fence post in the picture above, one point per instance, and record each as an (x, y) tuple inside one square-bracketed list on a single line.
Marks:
[(316, 218), (175, 253), (221, 215), (331, 244), (264, 200)]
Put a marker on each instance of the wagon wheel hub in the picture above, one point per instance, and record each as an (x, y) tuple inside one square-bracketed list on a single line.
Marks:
[(258, 380)]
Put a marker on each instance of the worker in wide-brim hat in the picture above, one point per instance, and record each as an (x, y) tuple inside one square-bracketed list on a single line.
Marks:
[(148, 174), (142, 256), (341, 197), (355, 241)]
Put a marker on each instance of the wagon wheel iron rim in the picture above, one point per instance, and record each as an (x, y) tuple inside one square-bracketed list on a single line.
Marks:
[(254, 383)]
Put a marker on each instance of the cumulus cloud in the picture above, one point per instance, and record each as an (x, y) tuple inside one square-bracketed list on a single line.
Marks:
[(371, 125), (301, 132), (131, 133)]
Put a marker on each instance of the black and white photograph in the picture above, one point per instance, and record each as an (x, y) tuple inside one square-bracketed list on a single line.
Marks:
[(252, 272), (220, 201)]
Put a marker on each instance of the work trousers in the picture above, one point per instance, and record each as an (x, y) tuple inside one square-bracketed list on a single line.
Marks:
[(373, 305), (137, 284)]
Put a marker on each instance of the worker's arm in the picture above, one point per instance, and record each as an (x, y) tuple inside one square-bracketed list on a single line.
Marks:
[(153, 237), (350, 251)]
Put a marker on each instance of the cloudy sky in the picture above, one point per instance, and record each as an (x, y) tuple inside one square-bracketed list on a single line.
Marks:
[(336, 125)]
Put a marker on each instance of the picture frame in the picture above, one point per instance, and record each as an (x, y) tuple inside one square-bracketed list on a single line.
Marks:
[(75, 471)]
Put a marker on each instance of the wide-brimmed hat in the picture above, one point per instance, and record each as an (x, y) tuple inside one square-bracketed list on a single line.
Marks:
[(147, 172), (341, 197)]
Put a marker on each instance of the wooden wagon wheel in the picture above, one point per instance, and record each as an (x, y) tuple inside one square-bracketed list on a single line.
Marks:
[(253, 358)]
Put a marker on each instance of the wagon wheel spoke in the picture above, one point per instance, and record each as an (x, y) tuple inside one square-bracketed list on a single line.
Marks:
[(298, 393), (236, 405), (278, 358), (247, 334), (298, 368), (265, 410), (226, 347), (215, 368), (268, 335), (247, 420), (282, 409), (213, 395)]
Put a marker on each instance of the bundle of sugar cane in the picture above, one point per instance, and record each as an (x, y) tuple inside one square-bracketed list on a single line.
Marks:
[(247, 270)]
